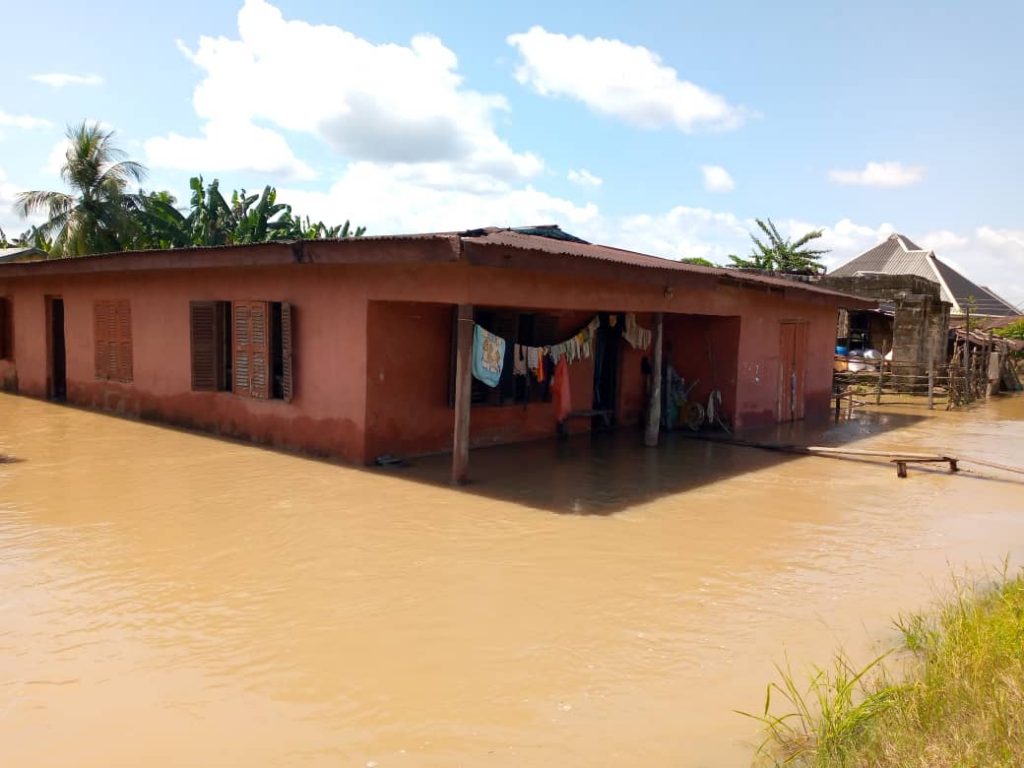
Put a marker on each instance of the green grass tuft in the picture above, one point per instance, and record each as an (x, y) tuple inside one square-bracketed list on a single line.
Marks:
[(958, 700)]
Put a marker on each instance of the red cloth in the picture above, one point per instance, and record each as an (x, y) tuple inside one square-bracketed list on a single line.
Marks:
[(560, 390)]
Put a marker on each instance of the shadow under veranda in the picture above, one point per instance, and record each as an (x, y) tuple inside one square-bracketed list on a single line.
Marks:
[(609, 472)]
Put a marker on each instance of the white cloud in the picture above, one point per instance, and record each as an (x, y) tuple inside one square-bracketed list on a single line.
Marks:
[(228, 146), (613, 78), (888, 174), (61, 79), (22, 121), (717, 179), (57, 157), (10, 222), (942, 240), (992, 257), (679, 233), (433, 198), (585, 178), (385, 103)]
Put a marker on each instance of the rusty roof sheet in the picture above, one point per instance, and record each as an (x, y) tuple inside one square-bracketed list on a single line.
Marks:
[(523, 239), (512, 239)]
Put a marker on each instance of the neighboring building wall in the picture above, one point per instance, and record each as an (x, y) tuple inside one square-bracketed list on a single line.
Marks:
[(920, 330), (921, 318)]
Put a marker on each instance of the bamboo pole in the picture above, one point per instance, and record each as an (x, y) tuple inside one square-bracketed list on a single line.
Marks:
[(931, 381)]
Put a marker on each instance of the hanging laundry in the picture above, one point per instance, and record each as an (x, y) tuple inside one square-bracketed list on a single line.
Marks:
[(540, 364), (638, 337), (560, 391), (519, 360), (532, 354), (488, 356)]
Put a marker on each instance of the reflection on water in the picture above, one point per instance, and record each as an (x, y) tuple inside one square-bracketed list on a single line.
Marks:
[(169, 599)]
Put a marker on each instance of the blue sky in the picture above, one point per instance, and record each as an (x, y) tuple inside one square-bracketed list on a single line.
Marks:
[(664, 127)]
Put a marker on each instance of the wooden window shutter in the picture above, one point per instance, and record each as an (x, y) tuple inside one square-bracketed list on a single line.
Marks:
[(123, 351), (205, 332), (252, 349), (242, 364), (260, 356), (287, 352), (101, 332)]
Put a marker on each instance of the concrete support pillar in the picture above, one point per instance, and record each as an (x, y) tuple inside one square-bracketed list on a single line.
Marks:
[(654, 407), (463, 389)]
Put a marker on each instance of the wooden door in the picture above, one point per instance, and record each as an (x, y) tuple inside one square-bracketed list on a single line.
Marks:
[(792, 370)]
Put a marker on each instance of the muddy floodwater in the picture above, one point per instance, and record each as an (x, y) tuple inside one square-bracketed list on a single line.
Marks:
[(171, 599)]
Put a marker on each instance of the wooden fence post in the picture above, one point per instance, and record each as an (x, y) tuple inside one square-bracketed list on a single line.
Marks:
[(654, 407), (463, 392), (931, 381)]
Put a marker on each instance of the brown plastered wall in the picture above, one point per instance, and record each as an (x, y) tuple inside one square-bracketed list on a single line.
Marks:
[(703, 348), (758, 375), (326, 416), (409, 370), (338, 410)]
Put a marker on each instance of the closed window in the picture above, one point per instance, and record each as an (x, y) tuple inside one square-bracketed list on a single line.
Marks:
[(244, 347), (112, 324)]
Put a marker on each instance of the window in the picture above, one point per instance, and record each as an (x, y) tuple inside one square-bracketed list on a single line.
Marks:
[(244, 347), (112, 323), (210, 322), (525, 328), (6, 330)]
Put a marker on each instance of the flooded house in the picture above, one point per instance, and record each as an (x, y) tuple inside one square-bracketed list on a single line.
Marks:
[(363, 348)]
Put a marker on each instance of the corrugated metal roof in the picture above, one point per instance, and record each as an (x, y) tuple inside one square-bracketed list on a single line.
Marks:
[(517, 239), (546, 239)]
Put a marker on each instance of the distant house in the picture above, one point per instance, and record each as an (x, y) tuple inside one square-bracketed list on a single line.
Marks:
[(21, 253), (360, 348), (898, 255)]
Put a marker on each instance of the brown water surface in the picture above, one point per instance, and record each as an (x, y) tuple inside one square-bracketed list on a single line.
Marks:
[(169, 599)]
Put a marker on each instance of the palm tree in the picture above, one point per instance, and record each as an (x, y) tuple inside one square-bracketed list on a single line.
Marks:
[(781, 254), (97, 215)]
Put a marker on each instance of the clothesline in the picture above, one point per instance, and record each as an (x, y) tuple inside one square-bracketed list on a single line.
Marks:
[(489, 350)]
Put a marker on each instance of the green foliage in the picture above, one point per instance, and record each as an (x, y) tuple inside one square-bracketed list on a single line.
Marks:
[(30, 238), (97, 214), (781, 254), (1014, 330), (100, 215), (960, 701), (214, 220), (822, 723), (699, 261)]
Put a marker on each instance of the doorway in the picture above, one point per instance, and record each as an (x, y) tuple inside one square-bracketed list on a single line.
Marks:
[(792, 370), (606, 373), (58, 379)]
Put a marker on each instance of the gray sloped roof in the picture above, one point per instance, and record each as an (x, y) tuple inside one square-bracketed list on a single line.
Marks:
[(898, 255), (969, 293), (21, 253)]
